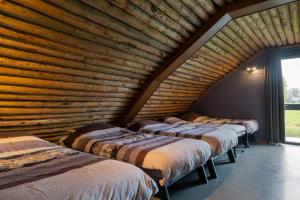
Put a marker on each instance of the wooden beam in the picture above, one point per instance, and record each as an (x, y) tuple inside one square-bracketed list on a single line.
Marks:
[(248, 7), (179, 57), (214, 25)]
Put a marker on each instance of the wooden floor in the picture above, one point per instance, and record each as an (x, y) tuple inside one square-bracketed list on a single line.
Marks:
[(264, 172)]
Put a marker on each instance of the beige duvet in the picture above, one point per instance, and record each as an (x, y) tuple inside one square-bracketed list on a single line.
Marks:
[(164, 158), (87, 178)]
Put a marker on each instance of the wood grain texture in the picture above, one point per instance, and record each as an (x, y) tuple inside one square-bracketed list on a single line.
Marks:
[(64, 64), (231, 46), (186, 51)]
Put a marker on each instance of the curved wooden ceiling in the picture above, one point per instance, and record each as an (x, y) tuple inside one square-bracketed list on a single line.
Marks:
[(68, 63), (73, 62), (235, 43)]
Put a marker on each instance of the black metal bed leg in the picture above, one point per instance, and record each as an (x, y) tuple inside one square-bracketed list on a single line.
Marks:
[(252, 138), (231, 156), (202, 174), (247, 140), (163, 193), (211, 168), (234, 150)]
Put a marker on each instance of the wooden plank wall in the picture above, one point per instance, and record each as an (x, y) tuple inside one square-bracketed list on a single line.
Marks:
[(68, 63), (233, 45)]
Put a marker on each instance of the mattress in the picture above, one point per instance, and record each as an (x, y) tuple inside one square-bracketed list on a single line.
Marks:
[(31, 168), (220, 140), (251, 125), (154, 154)]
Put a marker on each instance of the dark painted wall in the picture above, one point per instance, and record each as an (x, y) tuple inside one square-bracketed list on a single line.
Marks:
[(239, 95)]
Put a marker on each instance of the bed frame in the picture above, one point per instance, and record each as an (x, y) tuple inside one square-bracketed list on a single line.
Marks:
[(163, 193), (230, 154), (245, 141)]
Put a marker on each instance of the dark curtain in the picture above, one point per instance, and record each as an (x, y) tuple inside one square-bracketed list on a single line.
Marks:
[(274, 97)]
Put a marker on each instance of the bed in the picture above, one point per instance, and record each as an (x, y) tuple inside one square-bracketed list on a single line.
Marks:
[(165, 159), (32, 168), (220, 140), (251, 125), (239, 130)]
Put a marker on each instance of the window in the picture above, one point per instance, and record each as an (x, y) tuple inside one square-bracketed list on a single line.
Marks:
[(291, 82)]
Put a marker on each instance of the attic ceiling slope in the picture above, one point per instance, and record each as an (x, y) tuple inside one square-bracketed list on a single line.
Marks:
[(68, 63), (234, 44), (186, 73), (64, 64)]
